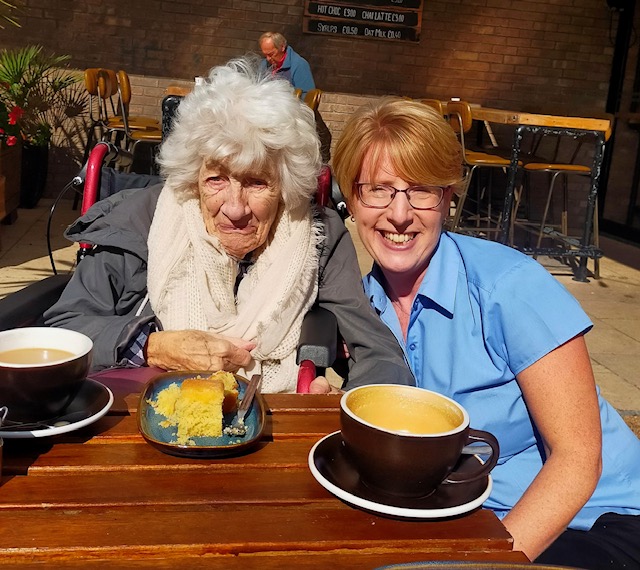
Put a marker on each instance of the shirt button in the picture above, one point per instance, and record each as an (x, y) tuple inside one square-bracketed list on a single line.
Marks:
[(412, 346)]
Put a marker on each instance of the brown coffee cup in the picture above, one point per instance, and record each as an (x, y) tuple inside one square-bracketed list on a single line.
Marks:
[(41, 370), (406, 441)]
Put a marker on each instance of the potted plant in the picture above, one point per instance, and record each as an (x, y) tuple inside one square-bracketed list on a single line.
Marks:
[(36, 98)]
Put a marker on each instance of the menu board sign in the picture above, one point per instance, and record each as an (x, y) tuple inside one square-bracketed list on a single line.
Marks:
[(398, 20)]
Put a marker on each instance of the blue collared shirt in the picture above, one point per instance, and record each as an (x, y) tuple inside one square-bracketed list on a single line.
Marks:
[(483, 313), (296, 70)]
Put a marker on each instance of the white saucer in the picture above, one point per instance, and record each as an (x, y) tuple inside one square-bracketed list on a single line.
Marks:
[(93, 398), (333, 469)]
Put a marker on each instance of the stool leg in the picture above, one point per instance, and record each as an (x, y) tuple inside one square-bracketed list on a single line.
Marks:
[(543, 221), (132, 149), (516, 216), (461, 200), (564, 222), (596, 241), (517, 198)]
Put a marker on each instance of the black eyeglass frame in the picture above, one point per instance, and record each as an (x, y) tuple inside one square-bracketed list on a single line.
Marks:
[(407, 191)]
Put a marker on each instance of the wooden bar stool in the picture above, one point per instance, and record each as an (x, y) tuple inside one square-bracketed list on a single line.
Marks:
[(556, 169), (460, 119)]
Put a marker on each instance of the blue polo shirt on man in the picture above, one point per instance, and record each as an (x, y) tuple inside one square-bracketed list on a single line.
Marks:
[(485, 312), (295, 69)]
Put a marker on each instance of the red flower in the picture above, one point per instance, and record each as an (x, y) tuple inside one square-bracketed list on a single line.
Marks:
[(11, 141), (14, 115)]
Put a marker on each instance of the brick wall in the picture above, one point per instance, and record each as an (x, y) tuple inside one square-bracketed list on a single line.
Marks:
[(539, 55), (551, 56)]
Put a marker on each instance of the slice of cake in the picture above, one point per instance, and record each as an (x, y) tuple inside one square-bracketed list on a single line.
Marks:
[(230, 402), (197, 406), (165, 403)]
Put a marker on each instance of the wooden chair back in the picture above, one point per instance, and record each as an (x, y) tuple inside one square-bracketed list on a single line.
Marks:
[(107, 90), (460, 118), (435, 104), (91, 86), (91, 81), (125, 90), (312, 98)]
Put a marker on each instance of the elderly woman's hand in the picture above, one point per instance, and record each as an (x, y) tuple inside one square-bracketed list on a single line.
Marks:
[(197, 350)]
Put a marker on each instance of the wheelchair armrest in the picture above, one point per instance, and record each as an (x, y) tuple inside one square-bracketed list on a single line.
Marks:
[(317, 346), (318, 338), (25, 307)]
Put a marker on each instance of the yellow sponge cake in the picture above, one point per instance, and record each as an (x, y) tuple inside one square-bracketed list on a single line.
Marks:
[(199, 409), (230, 390), (197, 406)]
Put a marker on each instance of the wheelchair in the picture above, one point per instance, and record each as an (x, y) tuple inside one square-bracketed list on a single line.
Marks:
[(318, 345)]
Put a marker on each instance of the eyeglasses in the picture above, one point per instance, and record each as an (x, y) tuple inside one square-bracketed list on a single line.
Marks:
[(381, 195)]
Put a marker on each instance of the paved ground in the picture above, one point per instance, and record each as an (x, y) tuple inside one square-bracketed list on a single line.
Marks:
[(612, 302)]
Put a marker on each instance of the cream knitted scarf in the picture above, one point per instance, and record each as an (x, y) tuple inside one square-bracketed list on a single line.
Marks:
[(191, 279)]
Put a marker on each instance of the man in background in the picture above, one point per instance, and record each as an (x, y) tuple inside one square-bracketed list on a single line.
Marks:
[(285, 62)]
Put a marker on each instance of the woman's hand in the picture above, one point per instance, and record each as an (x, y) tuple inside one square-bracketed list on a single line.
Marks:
[(320, 385), (197, 350)]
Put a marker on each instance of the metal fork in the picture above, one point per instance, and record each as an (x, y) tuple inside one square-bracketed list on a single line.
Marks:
[(238, 428)]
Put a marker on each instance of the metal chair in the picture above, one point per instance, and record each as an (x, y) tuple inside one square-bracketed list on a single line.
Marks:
[(132, 130), (461, 120), (114, 110), (556, 169), (135, 122)]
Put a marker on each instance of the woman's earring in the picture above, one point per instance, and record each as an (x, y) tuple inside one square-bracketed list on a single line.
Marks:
[(352, 218)]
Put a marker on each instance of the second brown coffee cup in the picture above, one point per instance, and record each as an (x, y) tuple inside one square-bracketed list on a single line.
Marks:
[(406, 441)]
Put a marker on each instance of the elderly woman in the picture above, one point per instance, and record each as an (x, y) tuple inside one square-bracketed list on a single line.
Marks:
[(216, 268), (489, 327)]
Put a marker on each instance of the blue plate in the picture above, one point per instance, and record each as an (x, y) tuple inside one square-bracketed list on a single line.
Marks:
[(205, 447)]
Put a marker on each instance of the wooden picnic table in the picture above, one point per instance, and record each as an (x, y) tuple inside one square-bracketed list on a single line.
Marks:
[(103, 497)]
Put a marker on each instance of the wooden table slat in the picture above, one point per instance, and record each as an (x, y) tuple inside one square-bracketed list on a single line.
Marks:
[(243, 528), (96, 489), (299, 560), (73, 457), (354, 560)]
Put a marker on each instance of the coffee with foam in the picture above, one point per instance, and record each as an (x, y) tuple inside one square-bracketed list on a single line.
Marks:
[(405, 441), (414, 412)]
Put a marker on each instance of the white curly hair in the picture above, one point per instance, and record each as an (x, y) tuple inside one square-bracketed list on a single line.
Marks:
[(249, 122)]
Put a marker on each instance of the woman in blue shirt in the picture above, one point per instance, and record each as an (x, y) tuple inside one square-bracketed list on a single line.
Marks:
[(491, 328)]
